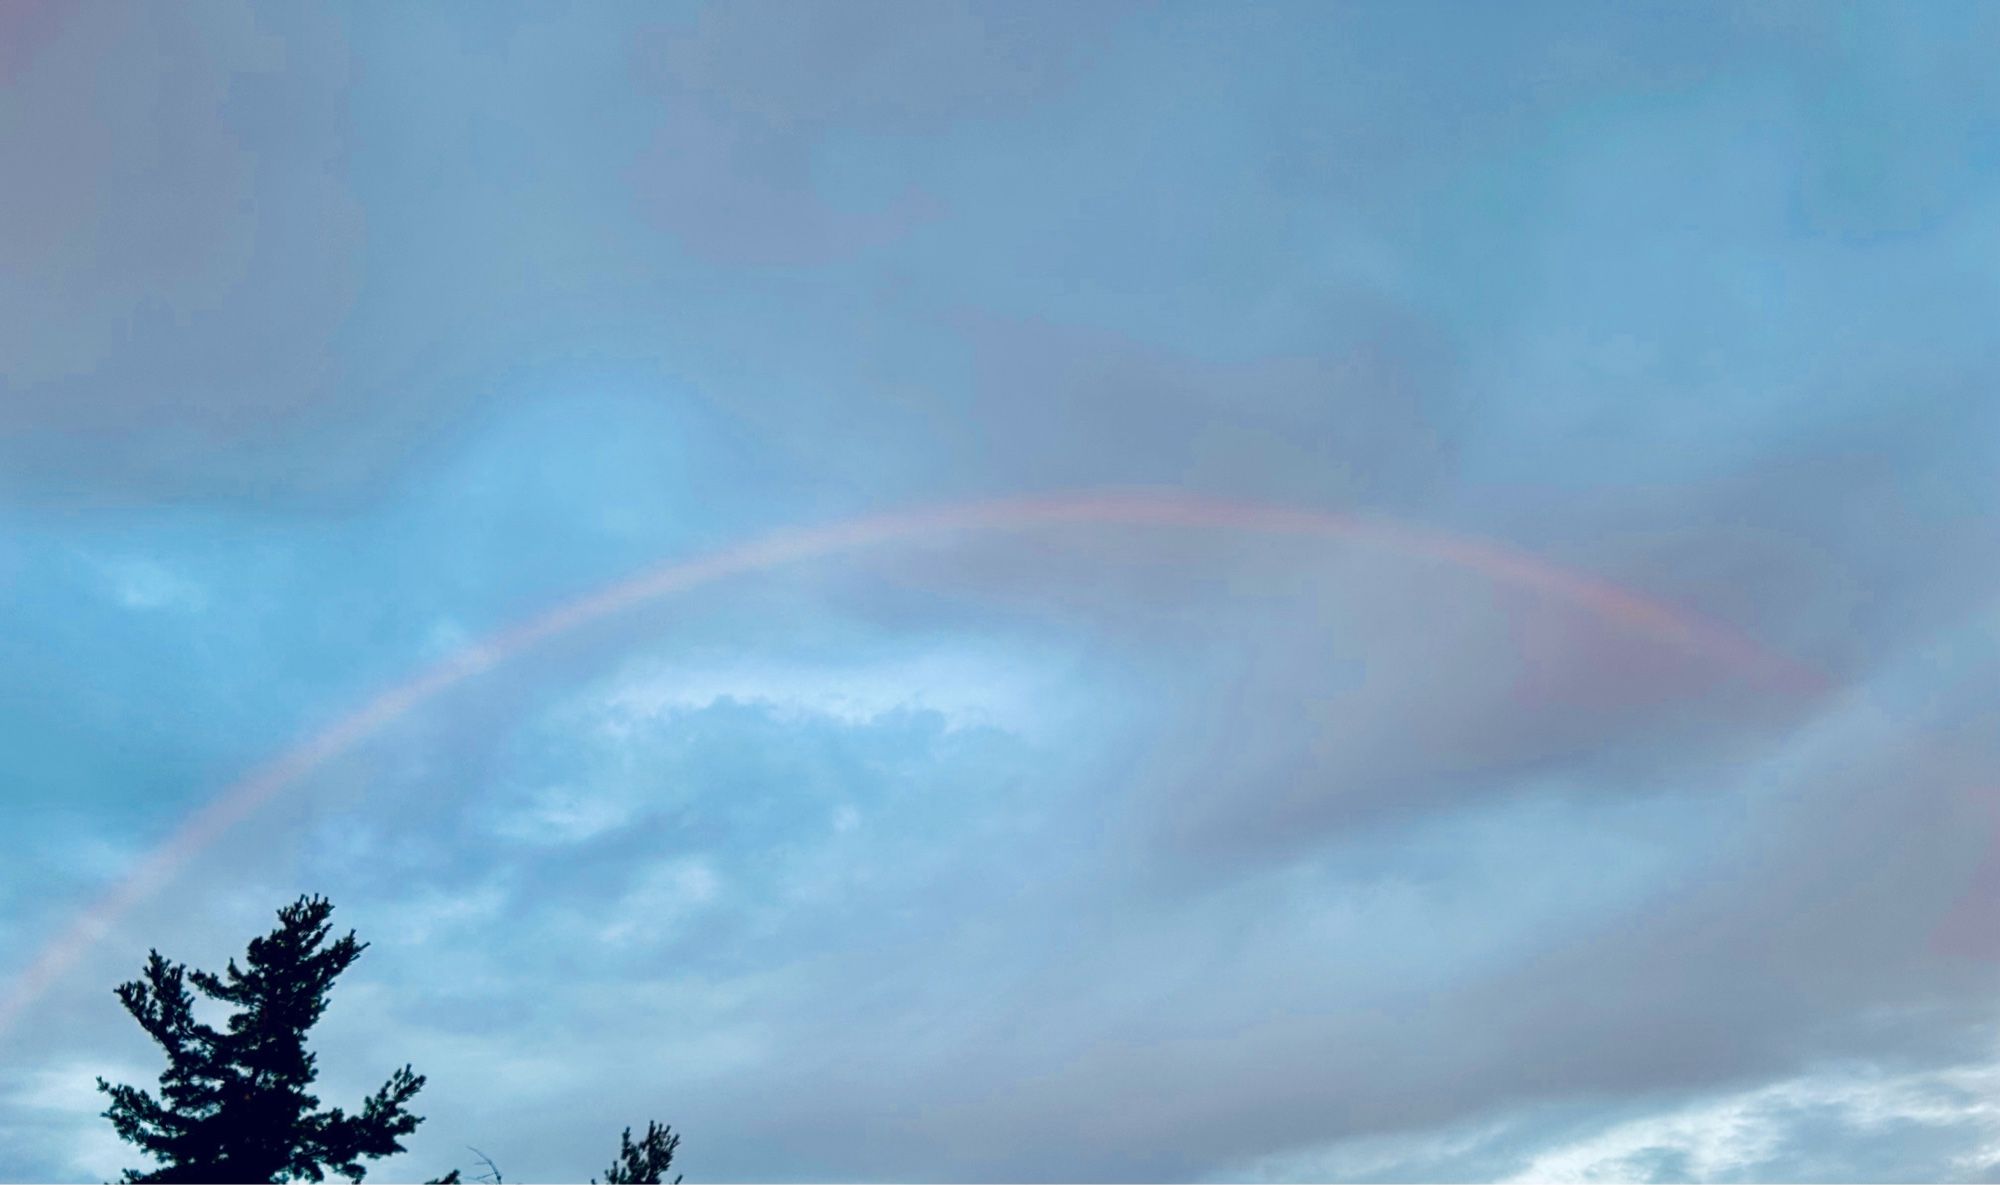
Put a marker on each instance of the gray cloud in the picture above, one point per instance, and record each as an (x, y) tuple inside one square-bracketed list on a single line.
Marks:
[(363, 333)]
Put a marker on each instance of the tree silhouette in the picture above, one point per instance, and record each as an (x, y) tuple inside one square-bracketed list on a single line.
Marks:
[(643, 1163), (646, 1162), (234, 1104)]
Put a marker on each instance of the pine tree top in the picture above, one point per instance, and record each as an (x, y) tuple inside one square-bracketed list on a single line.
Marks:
[(234, 1103), (646, 1162)]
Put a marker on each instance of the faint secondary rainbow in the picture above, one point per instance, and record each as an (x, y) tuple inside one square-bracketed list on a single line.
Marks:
[(1665, 624)]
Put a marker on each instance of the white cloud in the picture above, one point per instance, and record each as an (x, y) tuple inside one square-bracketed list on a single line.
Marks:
[(446, 637), (145, 585), (665, 895), (1752, 1132), (434, 913), (969, 687), (564, 815), (1798, 1128), (1712, 1139)]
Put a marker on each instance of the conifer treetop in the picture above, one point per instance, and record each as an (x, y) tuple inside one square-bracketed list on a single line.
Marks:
[(234, 1103)]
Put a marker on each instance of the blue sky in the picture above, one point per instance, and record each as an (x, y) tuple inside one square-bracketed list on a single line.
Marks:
[(336, 339)]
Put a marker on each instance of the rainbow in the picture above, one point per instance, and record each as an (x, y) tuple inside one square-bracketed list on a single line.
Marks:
[(236, 802)]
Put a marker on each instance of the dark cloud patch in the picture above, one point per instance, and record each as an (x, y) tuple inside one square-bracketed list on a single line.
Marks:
[(750, 94), (183, 247), (1368, 419), (1802, 545)]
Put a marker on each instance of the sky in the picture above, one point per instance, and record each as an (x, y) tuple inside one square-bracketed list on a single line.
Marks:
[(335, 340)]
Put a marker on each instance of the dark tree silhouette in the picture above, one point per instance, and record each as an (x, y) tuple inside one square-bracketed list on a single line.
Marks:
[(646, 1162), (234, 1104)]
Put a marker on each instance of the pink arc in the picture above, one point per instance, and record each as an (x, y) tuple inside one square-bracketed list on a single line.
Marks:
[(1669, 626)]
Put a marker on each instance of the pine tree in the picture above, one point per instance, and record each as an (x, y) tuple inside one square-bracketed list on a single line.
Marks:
[(644, 1163), (234, 1104)]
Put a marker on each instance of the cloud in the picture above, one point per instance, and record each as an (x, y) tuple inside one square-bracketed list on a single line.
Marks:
[(562, 814), (145, 585), (54, 1119), (969, 685), (1012, 942), (1932, 1123), (1236, 1007), (652, 908), (751, 95), (339, 339), (1798, 1130)]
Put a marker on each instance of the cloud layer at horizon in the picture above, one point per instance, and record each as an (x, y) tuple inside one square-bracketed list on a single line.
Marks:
[(335, 339)]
